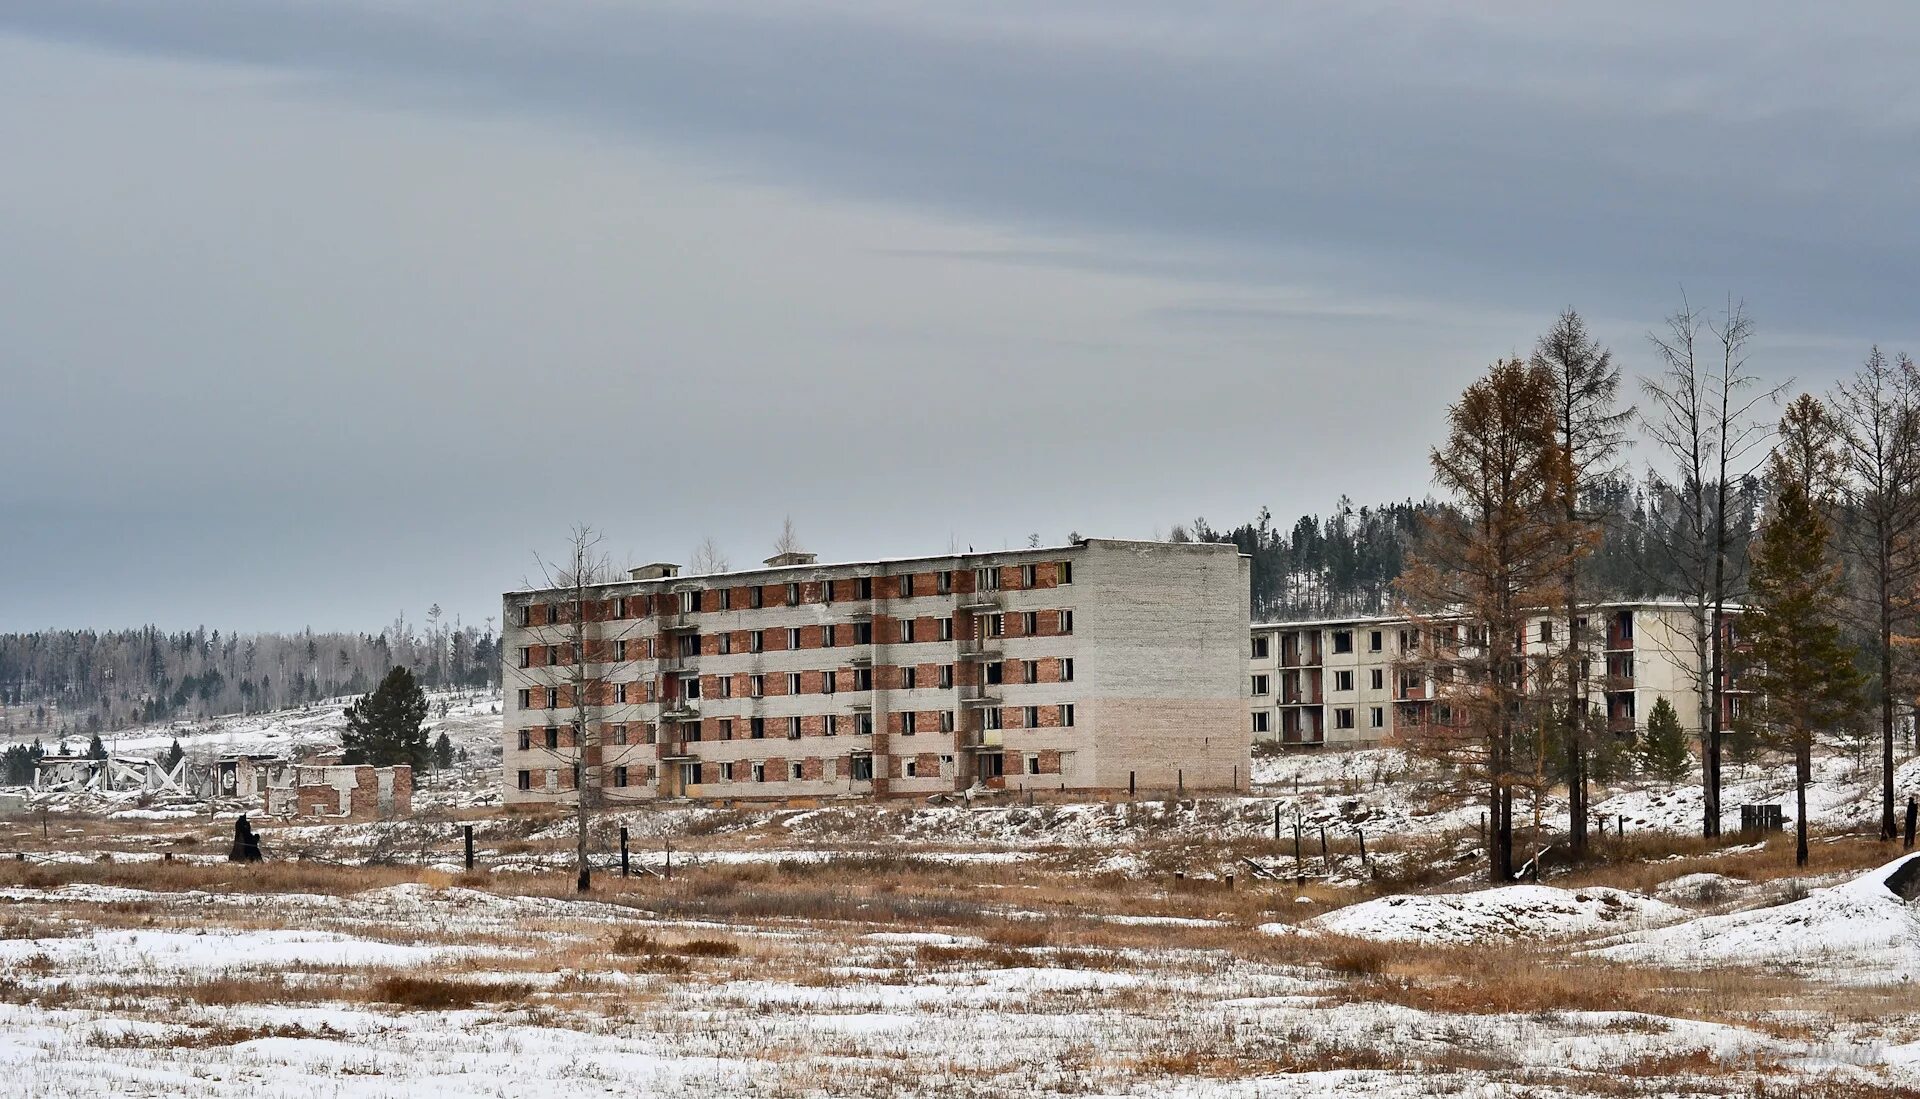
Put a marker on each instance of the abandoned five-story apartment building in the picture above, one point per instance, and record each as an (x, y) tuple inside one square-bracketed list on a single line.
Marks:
[(1362, 680), (1100, 666)]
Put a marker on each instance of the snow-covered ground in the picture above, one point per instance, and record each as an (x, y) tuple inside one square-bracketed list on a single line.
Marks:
[(470, 719), (1858, 930), (127, 991), (1493, 915)]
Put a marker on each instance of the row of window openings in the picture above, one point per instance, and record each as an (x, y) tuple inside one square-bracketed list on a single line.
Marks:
[(1343, 681), (984, 579), (1343, 718), (619, 735), (631, 694), (1621, 667), (860, 769), (1342, 640), (861, 633)]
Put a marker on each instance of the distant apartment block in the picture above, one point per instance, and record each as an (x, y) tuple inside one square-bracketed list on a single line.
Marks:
[(1357, 681), (1092, 667)]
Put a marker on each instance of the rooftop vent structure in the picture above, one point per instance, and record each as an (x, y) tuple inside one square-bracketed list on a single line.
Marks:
[(659, 570)]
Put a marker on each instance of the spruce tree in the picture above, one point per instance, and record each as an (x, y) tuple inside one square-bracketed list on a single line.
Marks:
[(1663, 747), (443, 752), (95, 749), (1805, 678), (385, 727), (174, 754)]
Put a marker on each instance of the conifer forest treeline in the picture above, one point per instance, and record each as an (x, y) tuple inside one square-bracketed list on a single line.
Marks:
[(81, 681)]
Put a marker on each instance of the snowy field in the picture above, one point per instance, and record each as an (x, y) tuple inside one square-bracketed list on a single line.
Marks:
[(214, 980), (1166, 947)]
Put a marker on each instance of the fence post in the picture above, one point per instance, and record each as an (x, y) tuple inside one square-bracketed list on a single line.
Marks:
[(623, 851), (669, 858), (1276, 822), (1130, 785), (1180, 779), (1325, 868), (1362, 833), (468, 830), (1299, 872)]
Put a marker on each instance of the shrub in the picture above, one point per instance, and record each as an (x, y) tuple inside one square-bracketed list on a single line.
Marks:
[(439, 994)]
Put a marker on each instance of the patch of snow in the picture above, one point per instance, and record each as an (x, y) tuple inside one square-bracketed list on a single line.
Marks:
[(1859, 925), (1701, 888), (213, 951), (1507, 912)]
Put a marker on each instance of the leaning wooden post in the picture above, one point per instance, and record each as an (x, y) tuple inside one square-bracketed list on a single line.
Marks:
[(1325, 867), (1362, 833), (1299, 871)]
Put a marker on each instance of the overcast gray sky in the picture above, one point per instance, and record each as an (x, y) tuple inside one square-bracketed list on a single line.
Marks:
[(316, 312)]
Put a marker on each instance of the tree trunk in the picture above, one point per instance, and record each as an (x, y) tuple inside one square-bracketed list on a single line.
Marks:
[(1576, 723), (1801, 769), (1886, 695)]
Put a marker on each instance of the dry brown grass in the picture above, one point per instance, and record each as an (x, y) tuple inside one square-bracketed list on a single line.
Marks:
[(204, 1037), (1642, 862), (444, 994), (181, 877)]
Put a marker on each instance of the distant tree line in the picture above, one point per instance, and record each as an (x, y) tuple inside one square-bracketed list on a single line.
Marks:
[(83, 681), (1347, 561)]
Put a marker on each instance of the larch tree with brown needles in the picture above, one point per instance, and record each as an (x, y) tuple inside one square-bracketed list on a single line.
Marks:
[(1488, 565)]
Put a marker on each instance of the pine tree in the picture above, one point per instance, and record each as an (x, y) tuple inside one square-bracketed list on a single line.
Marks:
[(173, 756), (95, 749), (1663, 747), (385, 727), (1805, 679), (443, 752)]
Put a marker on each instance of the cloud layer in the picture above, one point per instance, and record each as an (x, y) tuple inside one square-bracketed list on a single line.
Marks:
[(324, 310)]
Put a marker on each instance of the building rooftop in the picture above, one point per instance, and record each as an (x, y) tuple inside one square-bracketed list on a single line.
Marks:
[(958, 559), (1384, 619)]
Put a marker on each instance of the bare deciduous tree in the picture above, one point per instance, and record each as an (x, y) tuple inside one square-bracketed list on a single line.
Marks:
[(708, 558), (584, 682), (789, 540), (1702, 417), (1879, 413)]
